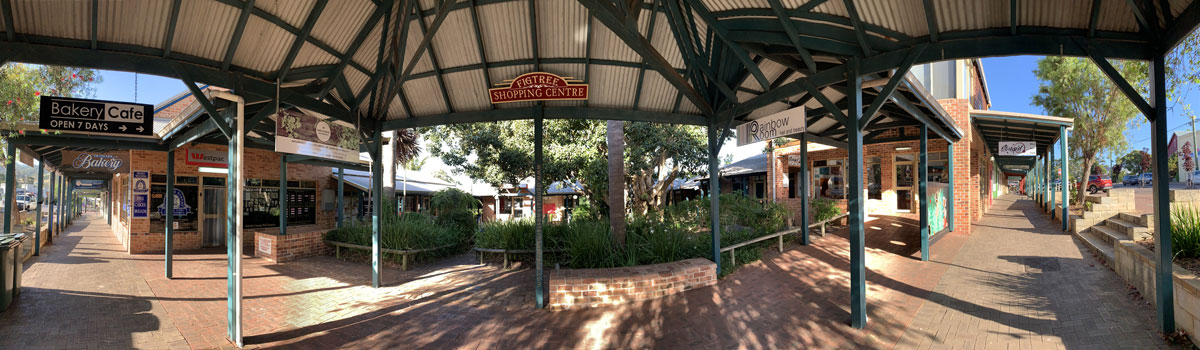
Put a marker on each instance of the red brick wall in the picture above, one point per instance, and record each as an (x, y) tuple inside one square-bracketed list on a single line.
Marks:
[(291, 246), (583, 288), (258, 164), (965, 169)]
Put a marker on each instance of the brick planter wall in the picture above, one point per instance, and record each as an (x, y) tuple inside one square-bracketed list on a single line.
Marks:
[(583, 288), (1136, 265), (292, 246)]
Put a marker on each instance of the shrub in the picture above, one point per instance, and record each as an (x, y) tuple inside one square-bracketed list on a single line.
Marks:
[(1185, 231), (519, 235), (825, 209), (586, 211), (456, 211), (589, 245), (656, 240)]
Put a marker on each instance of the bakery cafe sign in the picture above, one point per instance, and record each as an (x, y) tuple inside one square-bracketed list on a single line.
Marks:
[(539, 86)]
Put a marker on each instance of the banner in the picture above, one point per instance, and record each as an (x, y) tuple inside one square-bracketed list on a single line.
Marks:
[(299, 132), (1018, 148), (539, 86), (141, 194), (207, 158), (89, 184), (789, 122), (117, 162)]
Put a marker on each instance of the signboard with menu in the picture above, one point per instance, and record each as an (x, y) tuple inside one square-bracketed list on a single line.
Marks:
[(303, 132)]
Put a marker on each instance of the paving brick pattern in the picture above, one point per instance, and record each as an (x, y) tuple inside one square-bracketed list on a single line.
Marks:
[(1021, 283), (86, 293)]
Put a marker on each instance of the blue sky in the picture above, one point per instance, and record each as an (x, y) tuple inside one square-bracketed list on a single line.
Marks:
[(151, 89)]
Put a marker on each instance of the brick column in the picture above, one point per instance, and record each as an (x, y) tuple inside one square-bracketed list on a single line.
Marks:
[(966, 183)]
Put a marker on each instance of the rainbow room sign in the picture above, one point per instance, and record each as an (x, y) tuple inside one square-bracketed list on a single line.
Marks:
[(539, 86)]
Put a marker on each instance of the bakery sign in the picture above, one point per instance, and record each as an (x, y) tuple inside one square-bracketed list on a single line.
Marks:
[(1018, 148), (539, 86), (95, 161)]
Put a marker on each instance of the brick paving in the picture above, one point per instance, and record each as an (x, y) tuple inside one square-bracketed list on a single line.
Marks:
[(84, 292), (1021, 283)]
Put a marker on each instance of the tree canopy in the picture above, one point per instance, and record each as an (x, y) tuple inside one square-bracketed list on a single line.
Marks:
[(501, 153)]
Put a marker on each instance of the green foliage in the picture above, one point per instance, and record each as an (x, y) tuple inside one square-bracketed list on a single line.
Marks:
[(589, 245), (586, 211), (825, 209), (21, 86), (1185, 231)]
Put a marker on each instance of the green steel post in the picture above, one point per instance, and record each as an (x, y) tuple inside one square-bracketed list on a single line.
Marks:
[(1164, 290), (1050, 193), (802, 185), (714, 194), (1066, 202), (231, 296), (923, 190), (857, 206), (1046, 190), (169, 217), (10, 186), (50, 208), (37, 230), (108, 203), (538, 211), (341, 193), (283, 196), (376, 207), (950, 193)]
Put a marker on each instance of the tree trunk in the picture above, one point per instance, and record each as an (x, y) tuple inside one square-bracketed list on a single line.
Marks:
[(1087, 173), (616, 180)]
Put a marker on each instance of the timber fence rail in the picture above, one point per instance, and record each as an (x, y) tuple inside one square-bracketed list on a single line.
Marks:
[(732, 249), (403, 253)]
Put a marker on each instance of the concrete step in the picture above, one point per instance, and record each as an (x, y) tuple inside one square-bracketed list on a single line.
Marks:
[(1100, 214), (1103, 249), (1130, 229), (1099, 199), (1108, 234)]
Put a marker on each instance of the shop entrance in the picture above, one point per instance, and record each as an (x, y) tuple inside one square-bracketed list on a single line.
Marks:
[(904, 181), (212, 216)]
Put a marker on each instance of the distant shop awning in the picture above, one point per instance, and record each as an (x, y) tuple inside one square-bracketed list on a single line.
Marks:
[(996, 127)]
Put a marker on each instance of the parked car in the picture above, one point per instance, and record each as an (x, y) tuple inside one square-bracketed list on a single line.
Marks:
[(25, 202), (1130, 180), (1097, 183), (1147, 179)]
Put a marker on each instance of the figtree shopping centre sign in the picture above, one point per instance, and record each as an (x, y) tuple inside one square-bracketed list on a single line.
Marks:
[(539, 86)]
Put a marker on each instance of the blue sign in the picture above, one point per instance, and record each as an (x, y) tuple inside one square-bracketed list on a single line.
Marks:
[(141, 182), (141, 206), (181, 207)]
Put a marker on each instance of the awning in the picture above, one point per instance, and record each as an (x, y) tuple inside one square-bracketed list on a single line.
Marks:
[(996, 126)]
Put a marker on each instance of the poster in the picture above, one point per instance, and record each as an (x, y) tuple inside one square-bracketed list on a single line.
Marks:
[(302, 132), (141, 194)]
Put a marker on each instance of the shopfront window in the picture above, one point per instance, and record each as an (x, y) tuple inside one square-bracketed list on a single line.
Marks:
[(938, 162), (186, 206), (261, 206), (828, 178), (874, 178)]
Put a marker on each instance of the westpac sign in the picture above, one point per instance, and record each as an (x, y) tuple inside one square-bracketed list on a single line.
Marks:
[(789, 122)]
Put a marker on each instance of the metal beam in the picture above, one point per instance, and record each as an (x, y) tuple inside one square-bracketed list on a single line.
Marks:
[(606, 14), (794, 35), (9, 25), (95, 21), (205, 102), (1119, 80), (169, 204), (1095, 17), (354, 45), (923, 190), (1163, 255), (723, 34), (887, 90), (931, 20), (859, 31), (170, 34), (90, 141), (855, 203), (237, 34), (309, 23)]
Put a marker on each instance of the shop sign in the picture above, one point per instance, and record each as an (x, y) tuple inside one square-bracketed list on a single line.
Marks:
[(181, 207), (207, 158), (95, 162), (89, 184), (141, 194), (95, 116), (539, 86), (1018, 148), (789, 122), (795, 160), (264, 245), (303, 132)]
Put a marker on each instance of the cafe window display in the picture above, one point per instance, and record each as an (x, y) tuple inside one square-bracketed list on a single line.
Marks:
[(186, 203)]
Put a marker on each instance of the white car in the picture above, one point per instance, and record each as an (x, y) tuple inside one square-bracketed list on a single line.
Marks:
[(25, 202)]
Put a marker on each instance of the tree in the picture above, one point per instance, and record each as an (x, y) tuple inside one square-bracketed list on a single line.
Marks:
[(501, 153), (22, 85), (1075, 88)]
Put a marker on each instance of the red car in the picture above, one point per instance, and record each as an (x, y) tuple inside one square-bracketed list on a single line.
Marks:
[(1098, 183)]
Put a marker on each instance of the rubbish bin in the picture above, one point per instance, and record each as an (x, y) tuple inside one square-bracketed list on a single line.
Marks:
[(20, 239), (7, 260)]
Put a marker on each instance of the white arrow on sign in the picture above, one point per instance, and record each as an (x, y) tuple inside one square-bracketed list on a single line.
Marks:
[(122, 128), (140, 129)]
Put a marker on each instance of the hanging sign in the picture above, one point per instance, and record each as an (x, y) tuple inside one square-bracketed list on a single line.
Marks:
[(1018, 148), (789, 122), (95, 161), (207, 158), (89, 184), (95, 116), (794, 160), (141, 194), (302, 132), (539, 86), (181, 207)]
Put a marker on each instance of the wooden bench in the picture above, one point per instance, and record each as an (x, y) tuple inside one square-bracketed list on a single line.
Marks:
[(337, 246), (777, 235), (506, 252)]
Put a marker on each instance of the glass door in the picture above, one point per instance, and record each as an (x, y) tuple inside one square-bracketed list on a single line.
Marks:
[(904, 181), (212, 217)]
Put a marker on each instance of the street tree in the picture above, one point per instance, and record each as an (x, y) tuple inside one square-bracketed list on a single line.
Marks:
[(1075, 88), (22, 85)]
